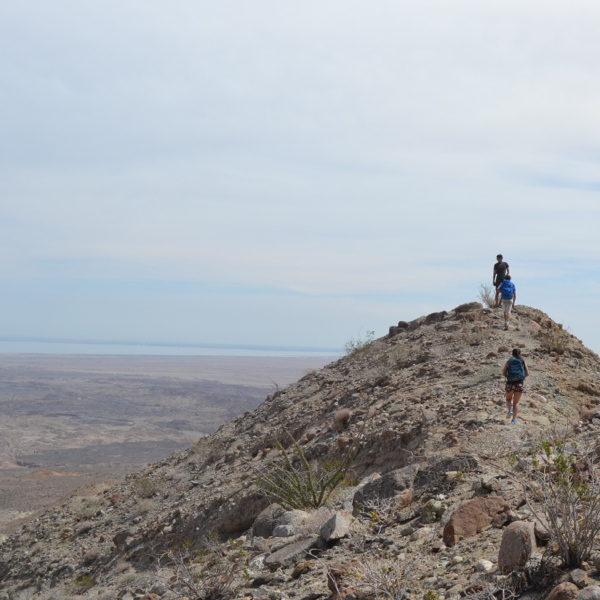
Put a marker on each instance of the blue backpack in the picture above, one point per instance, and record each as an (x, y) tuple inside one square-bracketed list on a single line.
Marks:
[(507, 288), (516, 369)]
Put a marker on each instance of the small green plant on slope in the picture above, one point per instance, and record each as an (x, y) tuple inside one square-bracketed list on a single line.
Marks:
[(487, 295), (563, 491), (83, 581), (354, 345), (380, 513), (298, 483)]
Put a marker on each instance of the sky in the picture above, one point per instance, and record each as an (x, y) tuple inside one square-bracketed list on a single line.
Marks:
[(293, 173)]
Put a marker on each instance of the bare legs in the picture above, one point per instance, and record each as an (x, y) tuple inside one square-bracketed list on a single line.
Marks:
[(512, 403)]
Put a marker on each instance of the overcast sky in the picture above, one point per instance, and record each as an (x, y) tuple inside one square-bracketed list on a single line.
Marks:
[(293, 173)]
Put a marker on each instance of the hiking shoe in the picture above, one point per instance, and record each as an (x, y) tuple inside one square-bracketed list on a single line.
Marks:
[(514, 421), (506, 328), (509, 413)]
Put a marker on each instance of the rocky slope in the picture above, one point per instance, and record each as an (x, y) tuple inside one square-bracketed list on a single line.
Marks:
[(424, 409)]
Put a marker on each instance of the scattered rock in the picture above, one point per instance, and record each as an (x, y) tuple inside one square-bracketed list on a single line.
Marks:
[(542, 533), (579, 577), (337, 527), (387, 486), (518, 542), (267, 520), (293, 553), (425, 444), (564, 591), (484, 566), (591, 592), (472, 517), (468, 307)]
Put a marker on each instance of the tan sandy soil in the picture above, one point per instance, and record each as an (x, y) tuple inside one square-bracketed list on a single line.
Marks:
[(68, 420)]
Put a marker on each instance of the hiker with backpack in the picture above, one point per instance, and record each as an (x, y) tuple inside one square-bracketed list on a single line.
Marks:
[(501, 270), (508, 293), (515, 371)]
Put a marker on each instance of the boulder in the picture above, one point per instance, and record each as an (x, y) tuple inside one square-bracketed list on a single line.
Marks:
[(289, 523), (564, 591), (484, 566), (337, 527), (300, 522), (591, 592), (239, 515), (468, 307), (472, 517), (518, 542), (580, 578), (433, 476), (435, 317), (295, 552), (267, 520)]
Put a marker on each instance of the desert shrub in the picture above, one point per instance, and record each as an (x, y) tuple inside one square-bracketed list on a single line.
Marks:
[(473, 336), (297, 483), (145, 487), (554, 340), (380, 513), (388, 578), (400, 356), (83, 582), (211, 573), (562, 488), (356, 345), (207, 450), (143, 507), (487, 295), (341, 418)]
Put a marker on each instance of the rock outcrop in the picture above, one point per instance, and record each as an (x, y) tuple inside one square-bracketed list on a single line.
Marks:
[(421, 409)]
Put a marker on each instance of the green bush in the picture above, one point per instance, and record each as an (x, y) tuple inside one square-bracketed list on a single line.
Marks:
[(296, 483), (83, 582), (355, 345), (563, 491)]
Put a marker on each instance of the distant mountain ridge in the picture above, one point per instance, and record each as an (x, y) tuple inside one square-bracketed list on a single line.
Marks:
[(57, 340)]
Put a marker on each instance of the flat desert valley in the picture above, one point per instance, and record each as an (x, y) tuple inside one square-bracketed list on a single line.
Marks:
[(73, 420)]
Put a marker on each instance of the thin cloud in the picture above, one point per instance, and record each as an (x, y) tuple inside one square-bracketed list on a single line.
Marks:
[(307, 168)]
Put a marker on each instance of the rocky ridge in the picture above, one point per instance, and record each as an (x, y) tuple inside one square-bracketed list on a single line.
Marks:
[(425, 497)]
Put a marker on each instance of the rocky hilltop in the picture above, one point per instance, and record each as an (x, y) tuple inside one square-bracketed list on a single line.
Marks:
[(422, 511)]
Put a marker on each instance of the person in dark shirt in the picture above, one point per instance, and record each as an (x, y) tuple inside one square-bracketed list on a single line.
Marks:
[(501, 270)]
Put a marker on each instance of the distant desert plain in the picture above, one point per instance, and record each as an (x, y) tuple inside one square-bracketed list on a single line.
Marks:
[(72, 420)]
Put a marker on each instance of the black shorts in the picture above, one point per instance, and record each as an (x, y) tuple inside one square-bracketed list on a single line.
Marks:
[(514, 386)]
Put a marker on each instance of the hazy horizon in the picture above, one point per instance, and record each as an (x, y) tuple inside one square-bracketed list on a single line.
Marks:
[(32, 345), (293, 175)]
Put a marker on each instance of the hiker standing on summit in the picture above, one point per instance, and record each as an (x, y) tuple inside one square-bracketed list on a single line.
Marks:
[(515, 371), (508, 291), (501, 270)]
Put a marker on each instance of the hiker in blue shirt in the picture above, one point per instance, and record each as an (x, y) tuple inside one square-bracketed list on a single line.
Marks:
[(515, 371), (508, 293)]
